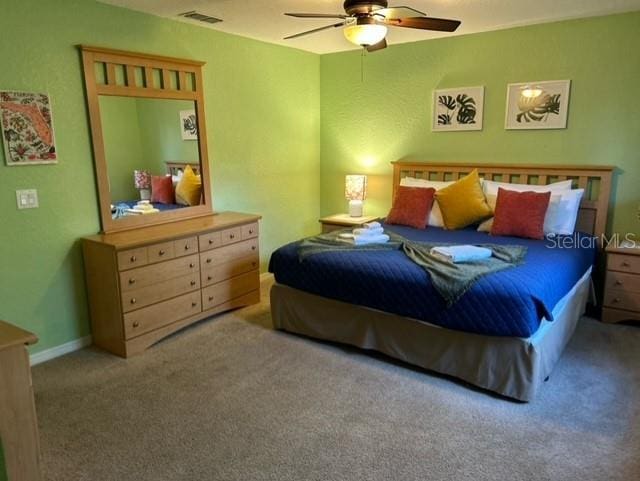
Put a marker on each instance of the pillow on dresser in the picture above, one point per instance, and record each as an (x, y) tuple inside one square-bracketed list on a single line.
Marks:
[(435, 216), (520, 214), (463, 203), (189, 188), (162, 189), (411, 207)]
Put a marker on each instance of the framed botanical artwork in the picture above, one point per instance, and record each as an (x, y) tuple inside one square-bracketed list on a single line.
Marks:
[(188, 125), (27, 128), (537, 105), (458, 109)]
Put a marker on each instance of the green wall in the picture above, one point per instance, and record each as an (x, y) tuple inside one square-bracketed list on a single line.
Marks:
[(366, 125), (263, 130)]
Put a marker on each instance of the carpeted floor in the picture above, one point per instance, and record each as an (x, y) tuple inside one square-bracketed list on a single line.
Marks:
[(231, 399)]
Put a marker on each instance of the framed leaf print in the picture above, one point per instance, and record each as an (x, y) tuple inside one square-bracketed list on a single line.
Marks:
[(458, 109), (537, 105), (27, 128), (188, 125)]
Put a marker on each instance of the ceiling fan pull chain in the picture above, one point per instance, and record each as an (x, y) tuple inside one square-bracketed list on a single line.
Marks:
[(362, 66)]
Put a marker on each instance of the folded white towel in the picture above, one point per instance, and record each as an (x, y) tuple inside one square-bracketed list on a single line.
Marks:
[(461, 253), (361, 240), (364, 231), (371, 225)]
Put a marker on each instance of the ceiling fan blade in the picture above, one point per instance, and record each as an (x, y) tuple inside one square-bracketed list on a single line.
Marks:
[(308, 32), (425, 23), (378, 46), (316, 15), (398, 12)]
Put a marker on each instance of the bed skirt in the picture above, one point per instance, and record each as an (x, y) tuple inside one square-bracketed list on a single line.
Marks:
[(510, 366)]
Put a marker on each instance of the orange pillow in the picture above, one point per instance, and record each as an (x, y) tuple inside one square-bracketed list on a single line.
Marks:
[(411, 207), (162, 189), (463, 202), (520, 214)]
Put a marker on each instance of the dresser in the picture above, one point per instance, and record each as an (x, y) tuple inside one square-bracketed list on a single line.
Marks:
[(147, 283), (18, 422), (622, 286)]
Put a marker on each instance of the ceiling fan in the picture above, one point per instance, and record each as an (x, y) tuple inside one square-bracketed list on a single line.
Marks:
[(365, 22)]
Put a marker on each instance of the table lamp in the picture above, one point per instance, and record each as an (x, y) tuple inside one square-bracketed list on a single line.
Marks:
[(142, 181), (355, 192)]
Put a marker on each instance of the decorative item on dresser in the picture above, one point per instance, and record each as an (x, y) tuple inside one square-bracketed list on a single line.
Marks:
[(147, 283), (622, 288), (18, 422), (344, 221)]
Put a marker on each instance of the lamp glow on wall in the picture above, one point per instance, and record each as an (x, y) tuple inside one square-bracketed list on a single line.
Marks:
[(142, 182), (365, 32), (356, 192)]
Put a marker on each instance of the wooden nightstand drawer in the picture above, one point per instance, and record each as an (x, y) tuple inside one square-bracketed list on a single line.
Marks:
[(629, 301), (624, 263), (619, 315), (623, 282)]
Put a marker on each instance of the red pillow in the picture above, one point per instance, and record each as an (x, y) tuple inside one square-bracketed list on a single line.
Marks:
[(411, 207), (520, 214), (162, 189)]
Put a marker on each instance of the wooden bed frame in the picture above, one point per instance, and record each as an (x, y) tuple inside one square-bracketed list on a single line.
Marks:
[(594, 179), (511, 366), (174, 167)]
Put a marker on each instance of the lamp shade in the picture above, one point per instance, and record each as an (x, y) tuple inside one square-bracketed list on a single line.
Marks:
[(142, 179), (365, 32), (356, 187)]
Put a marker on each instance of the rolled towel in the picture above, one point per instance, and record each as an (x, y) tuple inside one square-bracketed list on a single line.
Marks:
[(461, 253), (371, 225), (363, 231), (362, 240)]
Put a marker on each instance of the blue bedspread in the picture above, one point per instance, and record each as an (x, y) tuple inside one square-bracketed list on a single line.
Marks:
[(506, 303)]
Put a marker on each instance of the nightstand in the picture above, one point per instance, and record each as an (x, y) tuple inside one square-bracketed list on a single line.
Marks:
[(622, 286), (344, 221)]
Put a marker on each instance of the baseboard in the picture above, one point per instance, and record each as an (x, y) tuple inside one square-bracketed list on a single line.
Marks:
[(266, 276), (61, 350)]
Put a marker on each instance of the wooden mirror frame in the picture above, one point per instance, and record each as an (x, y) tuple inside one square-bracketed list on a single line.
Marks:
[(179, 79)]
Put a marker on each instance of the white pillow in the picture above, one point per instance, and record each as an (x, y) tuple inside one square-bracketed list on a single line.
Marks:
[(435, 216), (561, 215), (491, 188)]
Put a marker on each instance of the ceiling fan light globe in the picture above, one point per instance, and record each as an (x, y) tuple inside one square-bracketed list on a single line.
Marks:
[(365, 35)]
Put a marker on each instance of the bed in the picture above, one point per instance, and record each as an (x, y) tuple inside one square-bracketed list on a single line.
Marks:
[(505, 334)]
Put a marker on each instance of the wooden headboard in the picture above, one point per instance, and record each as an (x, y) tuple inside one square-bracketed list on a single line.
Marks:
[(173, 167), (594, 179)]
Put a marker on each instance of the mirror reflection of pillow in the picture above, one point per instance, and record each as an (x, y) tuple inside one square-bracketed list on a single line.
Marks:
[(162, 189), (189, 188)]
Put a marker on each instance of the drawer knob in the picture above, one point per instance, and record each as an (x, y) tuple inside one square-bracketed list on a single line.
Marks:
[(132, 281), (193, 283), (210, 241), (211, 298), (208, 261), (250, 231), (619, 283), (186, 247), (133, 300), (136, 324), (209, 278), (134, 258), (253, 264), (253, 248), (625, 264), (194, 304), (232, 236), (192, 265), (616, 300), (161, 252)]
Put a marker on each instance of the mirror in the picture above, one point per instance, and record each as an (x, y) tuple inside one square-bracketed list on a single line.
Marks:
[(147, 124), (148, 145)]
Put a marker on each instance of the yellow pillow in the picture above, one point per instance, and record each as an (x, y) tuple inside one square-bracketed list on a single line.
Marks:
[(189, 189), (463, 202)]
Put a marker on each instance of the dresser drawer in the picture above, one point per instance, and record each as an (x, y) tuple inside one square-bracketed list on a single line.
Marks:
[(623, 282), (132, 258), (229, 236), (210, 241), (619, 315), (250, 231), (623, 263), (229, 253), (157, 273), (160, 252), (214, 274), (184, 247), (138, 298), (230, 289), (629, 301), (152, 317)]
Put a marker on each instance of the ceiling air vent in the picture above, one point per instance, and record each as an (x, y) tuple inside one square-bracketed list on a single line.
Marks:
[(193, 15)]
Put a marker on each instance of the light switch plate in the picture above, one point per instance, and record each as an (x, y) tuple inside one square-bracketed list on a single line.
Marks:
[(27, 199)]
